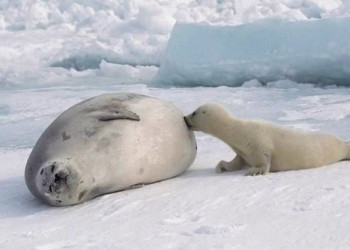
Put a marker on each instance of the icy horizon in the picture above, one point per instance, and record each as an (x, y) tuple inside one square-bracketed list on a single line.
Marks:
[(88, 42)]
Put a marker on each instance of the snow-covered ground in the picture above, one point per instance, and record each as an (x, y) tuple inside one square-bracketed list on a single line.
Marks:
[(198, 210), (59, 52)]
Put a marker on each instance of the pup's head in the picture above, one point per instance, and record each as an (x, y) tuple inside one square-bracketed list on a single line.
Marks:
[(205, 118)]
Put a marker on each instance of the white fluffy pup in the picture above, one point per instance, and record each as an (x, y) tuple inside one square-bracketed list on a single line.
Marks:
[(263, 146)]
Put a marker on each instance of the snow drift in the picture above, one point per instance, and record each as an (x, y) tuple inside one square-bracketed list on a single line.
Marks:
[(270, 50)]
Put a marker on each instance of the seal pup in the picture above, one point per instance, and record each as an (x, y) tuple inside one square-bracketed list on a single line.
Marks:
[(108, 143), (263, 146)]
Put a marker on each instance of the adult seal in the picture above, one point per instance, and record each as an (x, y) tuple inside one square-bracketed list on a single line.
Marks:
[(108, 143)]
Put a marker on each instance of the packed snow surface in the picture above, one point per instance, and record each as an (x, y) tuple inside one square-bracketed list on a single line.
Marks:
[(304, 51), (306, 209)]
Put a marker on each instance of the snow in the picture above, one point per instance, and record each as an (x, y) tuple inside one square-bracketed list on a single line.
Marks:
[(40, 40), (304, 51), (57, 53), (198, 210)]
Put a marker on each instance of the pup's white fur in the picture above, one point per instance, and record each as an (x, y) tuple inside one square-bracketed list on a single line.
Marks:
[(263, 146)]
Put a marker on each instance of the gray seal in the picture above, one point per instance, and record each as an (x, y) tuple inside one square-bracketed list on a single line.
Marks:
[(108, 143)]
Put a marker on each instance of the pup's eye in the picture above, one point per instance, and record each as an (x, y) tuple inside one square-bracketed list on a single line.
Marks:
[(203, 112), (194, 113)]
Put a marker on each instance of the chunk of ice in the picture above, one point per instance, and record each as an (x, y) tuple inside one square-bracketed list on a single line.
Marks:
[(315, 51)]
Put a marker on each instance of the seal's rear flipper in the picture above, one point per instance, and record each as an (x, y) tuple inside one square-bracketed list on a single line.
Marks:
[(114, 114)]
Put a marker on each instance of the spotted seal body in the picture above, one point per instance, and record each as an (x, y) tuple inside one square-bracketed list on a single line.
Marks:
[(108, 143)]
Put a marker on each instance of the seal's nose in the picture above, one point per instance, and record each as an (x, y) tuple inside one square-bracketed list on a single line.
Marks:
[(60, 179)]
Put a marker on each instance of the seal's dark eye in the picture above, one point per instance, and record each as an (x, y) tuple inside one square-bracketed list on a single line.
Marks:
[(203, 112), (194, 113)]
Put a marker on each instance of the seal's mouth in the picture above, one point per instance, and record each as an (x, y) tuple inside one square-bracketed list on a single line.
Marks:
[(54, 178)]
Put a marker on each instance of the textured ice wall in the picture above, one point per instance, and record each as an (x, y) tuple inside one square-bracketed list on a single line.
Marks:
[(315, 51)]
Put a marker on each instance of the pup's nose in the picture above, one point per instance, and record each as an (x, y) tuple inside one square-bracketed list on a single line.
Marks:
[(187, 123)]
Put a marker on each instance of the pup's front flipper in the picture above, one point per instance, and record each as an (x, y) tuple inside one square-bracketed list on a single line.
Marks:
[(252, 171), (262, 167), (236, 164)]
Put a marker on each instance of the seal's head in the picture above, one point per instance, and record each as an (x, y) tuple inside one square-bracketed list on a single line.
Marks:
[(59, 184), (206, 117)]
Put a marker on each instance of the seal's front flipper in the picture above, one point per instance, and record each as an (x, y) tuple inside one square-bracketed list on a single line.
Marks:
[(115, 114)]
